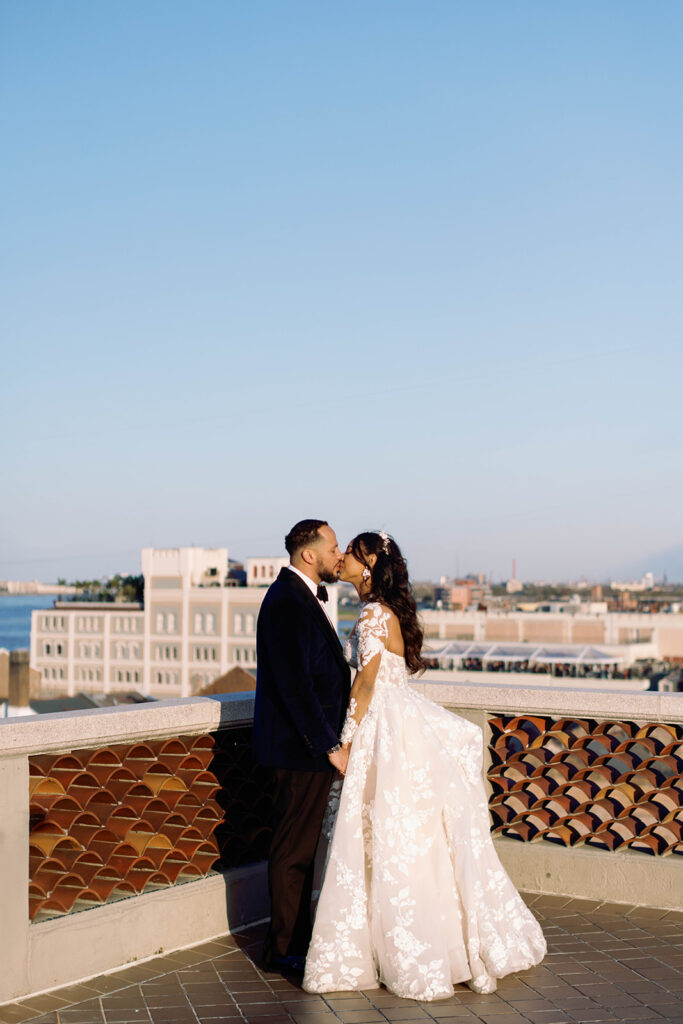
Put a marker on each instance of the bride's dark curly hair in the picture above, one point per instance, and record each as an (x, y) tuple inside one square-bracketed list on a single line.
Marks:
[(389, 584)]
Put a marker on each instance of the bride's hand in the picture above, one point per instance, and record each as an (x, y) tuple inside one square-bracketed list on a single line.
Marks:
[(341, 759)]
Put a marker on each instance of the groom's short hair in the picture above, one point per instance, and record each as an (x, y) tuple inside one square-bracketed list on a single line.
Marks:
[(303, 534)]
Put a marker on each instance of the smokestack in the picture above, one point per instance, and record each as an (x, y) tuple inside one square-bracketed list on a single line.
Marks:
[(514, 568), (19, 679)]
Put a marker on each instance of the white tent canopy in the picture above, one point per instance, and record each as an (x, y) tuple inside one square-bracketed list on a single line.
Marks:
[(539, 654)]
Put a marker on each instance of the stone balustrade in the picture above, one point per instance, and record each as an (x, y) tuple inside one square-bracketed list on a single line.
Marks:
[(132, 830)]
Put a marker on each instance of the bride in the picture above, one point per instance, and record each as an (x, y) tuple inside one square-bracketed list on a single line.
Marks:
[(414, 895)]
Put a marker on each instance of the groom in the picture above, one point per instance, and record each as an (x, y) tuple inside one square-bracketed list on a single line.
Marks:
[(302, 691)]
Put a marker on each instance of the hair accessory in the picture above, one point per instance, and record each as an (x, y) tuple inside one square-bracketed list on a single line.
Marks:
[(385, 541)]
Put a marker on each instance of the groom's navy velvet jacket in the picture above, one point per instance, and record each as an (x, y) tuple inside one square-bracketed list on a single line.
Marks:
[(303, 681)]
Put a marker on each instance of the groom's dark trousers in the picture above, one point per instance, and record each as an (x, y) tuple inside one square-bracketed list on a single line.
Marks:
[(302, 692)]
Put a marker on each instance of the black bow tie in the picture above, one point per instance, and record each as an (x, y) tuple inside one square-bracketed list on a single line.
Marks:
[(321, 592)]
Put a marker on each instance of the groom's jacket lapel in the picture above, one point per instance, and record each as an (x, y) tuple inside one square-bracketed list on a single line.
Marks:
[(320, 616)]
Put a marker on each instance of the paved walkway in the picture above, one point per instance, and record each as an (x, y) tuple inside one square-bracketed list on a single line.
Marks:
[(605, 963)]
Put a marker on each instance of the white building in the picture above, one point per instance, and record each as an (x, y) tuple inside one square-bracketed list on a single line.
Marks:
[(189, 629), (262, 571)]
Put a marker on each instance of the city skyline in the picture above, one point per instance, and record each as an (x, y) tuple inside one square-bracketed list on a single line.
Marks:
[(404, 267)]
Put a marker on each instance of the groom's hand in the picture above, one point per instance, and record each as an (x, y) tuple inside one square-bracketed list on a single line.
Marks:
[(339, 759)]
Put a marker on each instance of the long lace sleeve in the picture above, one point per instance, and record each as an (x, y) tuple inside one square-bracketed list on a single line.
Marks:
[(371, 633)]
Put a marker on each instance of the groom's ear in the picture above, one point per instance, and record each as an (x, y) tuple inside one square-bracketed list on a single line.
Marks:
[(308, 556)]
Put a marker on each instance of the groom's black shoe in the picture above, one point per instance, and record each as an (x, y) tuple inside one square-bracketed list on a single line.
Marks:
[(293, 965)]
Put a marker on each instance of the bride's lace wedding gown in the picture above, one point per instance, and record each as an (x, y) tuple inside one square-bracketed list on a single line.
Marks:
[(414, 895)]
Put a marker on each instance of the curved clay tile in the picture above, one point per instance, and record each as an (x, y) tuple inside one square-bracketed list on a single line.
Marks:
[(664, 767), (670, 833), (599, 746), (139, 872), (105, 881), (642, 749), (645, 843), (623, 763), (500, 784), (558, 834), (189, 803), (604, 840), (48, 875), (120, 782), (87, 899), (41, 787), (540, 819), (82, 787), (623, 794), (603, 810), (84, 827), (647, 813), (138, 798), (643, 780), (103, 842), (501, 815), (45, 909), (40, 764), (64, 811), (36, 893), (121, 820), (204, 857), (174, 825), (534, 757), (188, 841), (170, 791), (121, 857), (171, 752), (670, 800), (156, 812), (621, 729), (579, 791), (517, 766), (139, 835), (87, 864), (203, 748), (157, 849), (660, 732), (102, 764), (139, 758), (46, 835), (540, 787), (559, 806), (558, 772), (66, 892), (674, 749), (66, 768), (188, 770), (511, 742), (552, 741), (205, 786), (206, 821), (173, 865), (519, 802), (577, 758), (101, 804), (625, 827), (602, 775)]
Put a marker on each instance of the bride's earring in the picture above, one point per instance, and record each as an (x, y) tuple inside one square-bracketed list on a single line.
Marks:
[(366, 574)]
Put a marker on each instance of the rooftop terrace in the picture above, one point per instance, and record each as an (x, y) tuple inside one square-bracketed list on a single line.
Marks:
[(136, 835)]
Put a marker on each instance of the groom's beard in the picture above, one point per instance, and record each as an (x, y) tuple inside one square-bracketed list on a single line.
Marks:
[(328, 575)]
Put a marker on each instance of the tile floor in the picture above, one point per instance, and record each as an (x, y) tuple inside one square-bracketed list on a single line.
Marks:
[(605, 963)]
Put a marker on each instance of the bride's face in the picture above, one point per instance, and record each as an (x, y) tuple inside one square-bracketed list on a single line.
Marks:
[(352, 569)]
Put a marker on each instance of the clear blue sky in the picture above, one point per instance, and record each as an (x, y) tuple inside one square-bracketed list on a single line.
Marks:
[(412, 266)]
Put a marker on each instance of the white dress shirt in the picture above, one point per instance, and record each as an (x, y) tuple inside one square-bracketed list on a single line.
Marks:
[(313, 587)]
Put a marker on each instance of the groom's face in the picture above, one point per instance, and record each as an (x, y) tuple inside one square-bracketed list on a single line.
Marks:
[(329, 559)]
